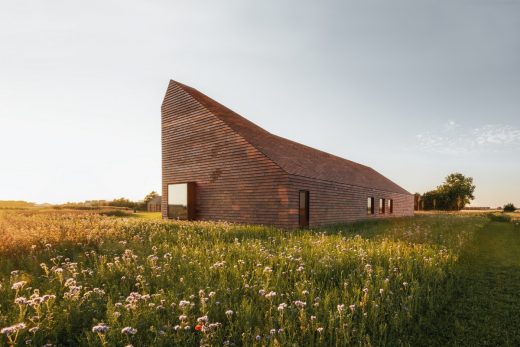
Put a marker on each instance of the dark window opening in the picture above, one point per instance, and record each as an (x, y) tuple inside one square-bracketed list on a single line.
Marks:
[(390, 206), (381, 206), (370, 205), (181, 201), (303, 208)]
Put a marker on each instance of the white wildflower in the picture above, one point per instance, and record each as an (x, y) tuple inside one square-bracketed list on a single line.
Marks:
[(18, 285), (341, 308), (300, 304), (202, 320), (101, 328), (129, 331), (20, 301), (13, 329), (270, 295), (184, 303)]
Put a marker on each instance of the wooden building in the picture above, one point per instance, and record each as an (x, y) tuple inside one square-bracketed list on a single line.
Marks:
[(154, 205), (217, 165)]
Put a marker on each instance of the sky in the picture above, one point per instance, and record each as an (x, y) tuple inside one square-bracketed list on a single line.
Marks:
[(415, 89)]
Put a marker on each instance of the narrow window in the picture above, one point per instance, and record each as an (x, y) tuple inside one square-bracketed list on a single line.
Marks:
[(381, 206), (181, 201), (370, 205), (303, 208), (390, 206)]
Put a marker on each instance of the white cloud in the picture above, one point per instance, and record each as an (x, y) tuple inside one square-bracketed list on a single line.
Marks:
[(497, 135), (453, 139), (451, 125)]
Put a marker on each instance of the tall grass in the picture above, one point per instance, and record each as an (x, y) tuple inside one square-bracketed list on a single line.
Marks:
[(85, 279)]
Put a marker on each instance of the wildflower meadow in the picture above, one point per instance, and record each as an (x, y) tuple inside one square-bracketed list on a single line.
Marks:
[(70, 278)]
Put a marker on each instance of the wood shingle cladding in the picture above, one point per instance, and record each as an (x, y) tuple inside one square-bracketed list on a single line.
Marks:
[(245, 174), (154, 205)]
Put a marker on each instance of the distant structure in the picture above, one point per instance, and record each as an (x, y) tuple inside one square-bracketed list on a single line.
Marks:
[(418, 202), (217, 165), (154, 205)]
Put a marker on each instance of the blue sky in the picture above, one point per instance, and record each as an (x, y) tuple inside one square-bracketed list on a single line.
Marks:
[(414, 89)]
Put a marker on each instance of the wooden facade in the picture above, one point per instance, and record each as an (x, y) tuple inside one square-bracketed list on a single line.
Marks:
[(154, 205), (244, 174)]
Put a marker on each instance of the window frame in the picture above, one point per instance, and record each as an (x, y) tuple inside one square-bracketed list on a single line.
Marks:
[(190, 201), (382, 206), (370, 206)]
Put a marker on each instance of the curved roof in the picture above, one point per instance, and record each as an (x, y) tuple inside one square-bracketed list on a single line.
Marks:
[(295, 158)]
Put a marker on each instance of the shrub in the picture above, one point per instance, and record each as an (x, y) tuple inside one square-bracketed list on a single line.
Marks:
[(499, 217), (116, 213), (509, 208)]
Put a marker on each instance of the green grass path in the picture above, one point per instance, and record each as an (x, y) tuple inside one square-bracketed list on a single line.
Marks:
[(486, 308)]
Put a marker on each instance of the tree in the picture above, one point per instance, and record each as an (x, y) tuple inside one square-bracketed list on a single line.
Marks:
[(122, 202), (149, 197), (455, 193), (509, 208)]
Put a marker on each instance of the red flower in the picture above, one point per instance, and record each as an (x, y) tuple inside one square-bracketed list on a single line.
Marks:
[(198, 327)]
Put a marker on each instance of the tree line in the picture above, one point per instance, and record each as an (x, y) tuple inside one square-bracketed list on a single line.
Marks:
[(452, 195), (140, 205)]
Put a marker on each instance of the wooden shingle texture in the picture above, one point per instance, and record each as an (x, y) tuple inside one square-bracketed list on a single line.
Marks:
[(246, 174)]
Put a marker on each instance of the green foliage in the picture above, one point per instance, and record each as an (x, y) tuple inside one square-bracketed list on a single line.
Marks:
[(149, 197), (455, 193), (116, 213), (509, 207), (487, 292), (361, 284), (122, 202), (496, 217), (101, 204)]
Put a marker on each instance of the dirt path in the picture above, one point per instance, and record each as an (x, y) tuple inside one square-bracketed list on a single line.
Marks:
[(486, 309)]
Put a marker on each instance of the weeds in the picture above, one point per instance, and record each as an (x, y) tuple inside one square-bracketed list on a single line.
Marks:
[(85, 279)]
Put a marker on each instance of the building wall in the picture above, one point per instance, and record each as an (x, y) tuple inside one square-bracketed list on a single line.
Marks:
[(235, 181), (154, 207), (238, 183), (331, 202)]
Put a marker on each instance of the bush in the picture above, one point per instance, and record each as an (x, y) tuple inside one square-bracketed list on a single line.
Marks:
[(116, 213), (499, 217), (509, 208)]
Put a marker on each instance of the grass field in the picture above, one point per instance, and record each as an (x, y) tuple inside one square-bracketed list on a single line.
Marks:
[(485, 308), (78, 278)]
